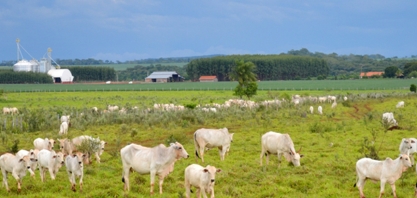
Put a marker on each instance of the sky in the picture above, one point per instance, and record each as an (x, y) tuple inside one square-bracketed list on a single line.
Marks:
[(121, 30)]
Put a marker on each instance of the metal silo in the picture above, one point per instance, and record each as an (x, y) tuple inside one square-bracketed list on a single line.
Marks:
[(22, 65)]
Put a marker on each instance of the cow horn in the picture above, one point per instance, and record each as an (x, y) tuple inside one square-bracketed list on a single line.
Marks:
[(299, 150)]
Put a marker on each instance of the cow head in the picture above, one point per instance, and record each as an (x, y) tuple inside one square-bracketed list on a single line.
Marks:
[(294, 157), (211, 171), (180, 150), (59, 157), (80, 157), (51, 144), (405, 159), (26, 162)]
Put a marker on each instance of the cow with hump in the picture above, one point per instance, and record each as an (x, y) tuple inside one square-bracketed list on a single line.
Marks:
[(277, 143), (158, 160), (385, 171), (74, 164), (9, 163), (212, 138), (202, 178)]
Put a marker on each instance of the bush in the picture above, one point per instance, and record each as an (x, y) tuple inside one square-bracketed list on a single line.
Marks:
[(413, 88)]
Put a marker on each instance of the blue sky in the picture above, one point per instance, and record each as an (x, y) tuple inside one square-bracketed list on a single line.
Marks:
[(139, 29)]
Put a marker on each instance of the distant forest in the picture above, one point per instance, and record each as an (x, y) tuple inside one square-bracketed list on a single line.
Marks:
[(339, 66)]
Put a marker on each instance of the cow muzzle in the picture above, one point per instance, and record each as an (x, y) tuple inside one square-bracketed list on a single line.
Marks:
[(28, 167), (212, 180)]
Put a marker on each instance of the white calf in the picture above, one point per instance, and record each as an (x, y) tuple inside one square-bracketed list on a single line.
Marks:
[(409, 146), (385, 171), (334, 104), (63, 129), (203, 178), (17, 166), (320, 110), (74, 164), (46, 143), (311, 109), (400, 104), (51, 161), (33, 159)]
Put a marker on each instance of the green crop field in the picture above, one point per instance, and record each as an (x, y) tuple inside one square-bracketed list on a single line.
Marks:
[(331, 143), (301, 85)]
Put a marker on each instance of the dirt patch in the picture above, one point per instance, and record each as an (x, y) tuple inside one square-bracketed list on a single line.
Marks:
[(360, 110)]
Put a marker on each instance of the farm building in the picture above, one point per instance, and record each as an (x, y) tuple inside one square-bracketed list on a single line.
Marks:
[(61, 75), (369, 74), (208, 79), (164, 76)]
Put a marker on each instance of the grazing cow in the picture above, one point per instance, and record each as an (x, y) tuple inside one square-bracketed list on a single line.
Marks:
[(388, 118), (320, 110), (66, 146), (130, 82), (409, 146), (95, 144), (334, 104), (9, 163), (46, 143), (6, 110), (211, 138), (112, 108), (345, 98), (203, 178), (65, 118), (400, 104), (385, 171), (74, 164), (311, 109), (49, 160), (94, 109), (277, 143), (158, 160), (33, 159), (63, 129), (322, 99)]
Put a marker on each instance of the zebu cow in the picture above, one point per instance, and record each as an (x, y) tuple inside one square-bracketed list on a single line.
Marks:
[(334, 104), (46, 143), (63, 129), (9, 163), (311, 109), (409, 146), (74, 164), (400, 104), (158, 160), (385, 171), (66, 146), (320, 110), (211, 138), (203, 178), (277, 143), (388, 118), (33, 159), (65, 118), (51, 161), (95, 144)]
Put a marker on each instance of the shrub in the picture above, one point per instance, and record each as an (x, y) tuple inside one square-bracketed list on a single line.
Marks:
[(413, 88)]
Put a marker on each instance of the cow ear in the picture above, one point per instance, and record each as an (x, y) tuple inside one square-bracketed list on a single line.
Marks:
[(205, 170), (301, 155), (54, 156), (401, 157), (219, 170), (412, 141), (21, 160)]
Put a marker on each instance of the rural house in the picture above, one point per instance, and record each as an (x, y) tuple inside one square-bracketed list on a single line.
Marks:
[(208, 79), (164, 76), (370, 74)]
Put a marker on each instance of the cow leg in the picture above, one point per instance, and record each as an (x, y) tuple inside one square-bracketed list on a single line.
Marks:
[(187, 189), (125, 177), (70, 179), (262, 155), (203, 190), (279, 158), (202, 153), (81, 182), (97, 157), (153, 173), (360, 184), (5, 180), (198, 192), (161, 181), (51, 172), (393, 190), (18, 179), (382, 188), (212, 192)]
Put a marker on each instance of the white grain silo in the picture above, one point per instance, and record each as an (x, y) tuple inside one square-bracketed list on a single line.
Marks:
[(22, 65), (35, 65)]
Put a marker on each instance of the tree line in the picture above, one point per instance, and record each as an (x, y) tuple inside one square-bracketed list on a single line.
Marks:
[(8, 76), (268, 67), (140, 72), (90, 73)]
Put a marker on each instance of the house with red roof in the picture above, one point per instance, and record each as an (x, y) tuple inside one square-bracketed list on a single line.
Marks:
[(208, 79), (371, 73)]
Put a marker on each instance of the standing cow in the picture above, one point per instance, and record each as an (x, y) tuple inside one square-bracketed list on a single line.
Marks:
[(203, 178), (385, 171), (212, 138), (46, 143), (158, 160), (277, 143), (9, 163), (51, 161), (74, 164)]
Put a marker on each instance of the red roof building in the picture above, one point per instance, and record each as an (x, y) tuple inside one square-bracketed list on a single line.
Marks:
[(208, 79), (369, 74)]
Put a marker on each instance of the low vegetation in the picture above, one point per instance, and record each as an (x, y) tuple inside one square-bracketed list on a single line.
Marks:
[(331, 143)]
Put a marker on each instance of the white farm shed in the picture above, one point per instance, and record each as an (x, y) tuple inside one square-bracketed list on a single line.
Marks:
[(61, 75)]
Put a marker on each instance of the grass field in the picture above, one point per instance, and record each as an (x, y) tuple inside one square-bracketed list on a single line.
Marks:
[(331, 143), (301, 85)]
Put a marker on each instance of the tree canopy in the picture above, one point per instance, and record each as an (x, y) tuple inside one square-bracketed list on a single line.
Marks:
[(243, 73)]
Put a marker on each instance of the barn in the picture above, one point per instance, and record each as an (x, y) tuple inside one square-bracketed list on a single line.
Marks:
[(61, 75), (164, 76), (208, 79)]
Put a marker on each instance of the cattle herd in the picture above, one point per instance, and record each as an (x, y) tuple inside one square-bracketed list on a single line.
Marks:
[(160, 160)]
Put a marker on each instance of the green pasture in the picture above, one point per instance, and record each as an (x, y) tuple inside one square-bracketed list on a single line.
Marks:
[(331, 143), (301, 85)]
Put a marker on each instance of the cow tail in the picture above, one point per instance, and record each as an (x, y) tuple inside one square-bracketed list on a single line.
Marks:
[(196, 145)]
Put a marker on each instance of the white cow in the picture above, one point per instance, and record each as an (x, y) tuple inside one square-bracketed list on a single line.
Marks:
[(277, 143), (46, 143), (320, 110), (6, 110), (108, 82), (400, 104), (158, 160), (385, 171), (63, 129), (388, 118), (9, 163), (95, 144), (409, 146), (311, 109), (113, 108), (345, 98), (212, 138), (66, 146), (203, 178), (94, 109), (49, 160), (334, 104), (33, 158), (65, 118), (74, 164)]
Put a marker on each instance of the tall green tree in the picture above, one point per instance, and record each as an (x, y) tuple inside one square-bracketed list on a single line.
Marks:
[(390, 72), (244, 74)]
